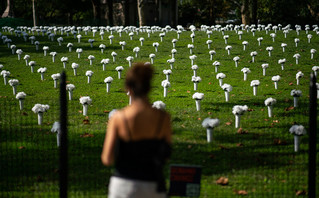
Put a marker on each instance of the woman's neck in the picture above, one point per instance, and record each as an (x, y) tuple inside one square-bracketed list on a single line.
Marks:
[(140, 101)]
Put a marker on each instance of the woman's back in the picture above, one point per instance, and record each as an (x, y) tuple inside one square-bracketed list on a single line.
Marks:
[(140, 121), (142, 146)]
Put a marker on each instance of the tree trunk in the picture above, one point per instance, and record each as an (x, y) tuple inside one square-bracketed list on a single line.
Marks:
[(174, 12), (126, 13), (212, 16), (141, 13), (157, 14), (8, 11), (254, 11), (313, 13), (147, 12), (70, 17), (110, 13), (96, 9), (33, 14), (245, 13)]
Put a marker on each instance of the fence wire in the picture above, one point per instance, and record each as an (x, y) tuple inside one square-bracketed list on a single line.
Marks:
[(30, 158)]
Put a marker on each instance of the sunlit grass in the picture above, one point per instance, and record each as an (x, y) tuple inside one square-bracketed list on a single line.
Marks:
[(262, 161)]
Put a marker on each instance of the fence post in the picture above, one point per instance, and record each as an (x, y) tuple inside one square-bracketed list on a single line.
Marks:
[(312, 137), (63, 169)]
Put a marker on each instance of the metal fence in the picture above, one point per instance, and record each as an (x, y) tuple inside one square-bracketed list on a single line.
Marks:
[(33, 166)]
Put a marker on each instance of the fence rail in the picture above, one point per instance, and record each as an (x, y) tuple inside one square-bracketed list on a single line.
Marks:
[(312, 136)]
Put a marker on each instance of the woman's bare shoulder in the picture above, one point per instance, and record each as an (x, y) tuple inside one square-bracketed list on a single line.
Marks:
[(116, 115)]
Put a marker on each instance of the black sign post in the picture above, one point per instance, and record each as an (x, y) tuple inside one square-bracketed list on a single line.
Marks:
[(185, 180)]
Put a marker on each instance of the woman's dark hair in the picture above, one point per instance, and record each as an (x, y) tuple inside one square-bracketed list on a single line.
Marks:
[(138, 78)]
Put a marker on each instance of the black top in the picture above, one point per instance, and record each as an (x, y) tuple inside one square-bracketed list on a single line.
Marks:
[(142, 159)]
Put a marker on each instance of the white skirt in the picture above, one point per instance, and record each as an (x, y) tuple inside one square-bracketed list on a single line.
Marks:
[(129, 188)]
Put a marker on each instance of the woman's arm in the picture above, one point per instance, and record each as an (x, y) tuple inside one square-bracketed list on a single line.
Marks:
[(167, 129), (107, 155)]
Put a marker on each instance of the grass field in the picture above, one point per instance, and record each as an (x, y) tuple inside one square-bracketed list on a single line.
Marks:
[(258, 160)]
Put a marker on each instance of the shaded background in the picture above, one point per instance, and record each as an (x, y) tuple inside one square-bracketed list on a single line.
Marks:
[(162, 12)]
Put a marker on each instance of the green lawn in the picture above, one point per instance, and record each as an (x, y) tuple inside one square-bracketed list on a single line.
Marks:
[(261, 161)]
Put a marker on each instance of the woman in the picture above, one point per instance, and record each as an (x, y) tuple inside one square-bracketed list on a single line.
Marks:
[(137, 141)]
